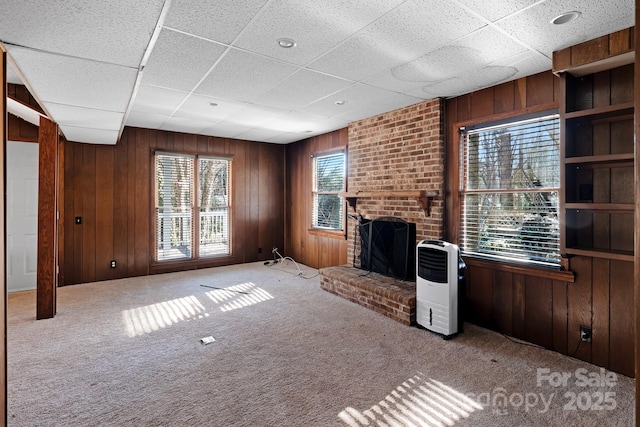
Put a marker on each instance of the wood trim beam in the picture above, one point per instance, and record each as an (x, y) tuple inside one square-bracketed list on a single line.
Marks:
[(3, 244), (636, 287), (47, 219)]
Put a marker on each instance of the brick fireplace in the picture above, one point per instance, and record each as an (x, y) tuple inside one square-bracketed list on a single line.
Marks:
[(390, 156), (402, 150)]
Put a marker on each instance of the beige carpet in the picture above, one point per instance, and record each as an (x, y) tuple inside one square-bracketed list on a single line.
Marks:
[(286, 353)]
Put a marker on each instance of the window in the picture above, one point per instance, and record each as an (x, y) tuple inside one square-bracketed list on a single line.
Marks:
[(509, 197), (328, 181), (182, 213)]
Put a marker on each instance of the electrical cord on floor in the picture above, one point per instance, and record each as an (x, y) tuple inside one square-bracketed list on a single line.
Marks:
[(522, 342), (283, 259)]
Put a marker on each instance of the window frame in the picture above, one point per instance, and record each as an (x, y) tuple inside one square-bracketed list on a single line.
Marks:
[(322, 231), (463, 191), (195, 209)]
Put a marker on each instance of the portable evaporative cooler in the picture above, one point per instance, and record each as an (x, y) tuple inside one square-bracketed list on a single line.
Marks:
[(439, 287)]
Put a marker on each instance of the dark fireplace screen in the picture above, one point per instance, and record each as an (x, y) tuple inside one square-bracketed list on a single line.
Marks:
[(387, 246)]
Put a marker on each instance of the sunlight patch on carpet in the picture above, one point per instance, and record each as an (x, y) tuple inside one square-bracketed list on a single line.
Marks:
[(149, 318), (417, 402), (238, 296)]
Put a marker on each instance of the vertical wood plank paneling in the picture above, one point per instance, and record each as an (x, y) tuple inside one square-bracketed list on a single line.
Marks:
[(313, 250), (540, 89), (560, 316), (482, 103), (504, 98), (60, 219), (104, 211), (131, 202), (478, 290), (253, 202), (47, 211), (119, 224), (120, 208), (579, 297), (240, 213), (503, 302), (142, 203), (600, 319), (519, 305), (69, 269), (621, 340), (88, 187), (539, 311)]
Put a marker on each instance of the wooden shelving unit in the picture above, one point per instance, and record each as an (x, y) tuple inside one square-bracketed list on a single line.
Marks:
[(597, 146), (423, 197)]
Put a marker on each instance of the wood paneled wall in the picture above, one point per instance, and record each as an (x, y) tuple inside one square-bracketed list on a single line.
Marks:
[(528, 304), (110, 187), (314, 250), (18, 129)]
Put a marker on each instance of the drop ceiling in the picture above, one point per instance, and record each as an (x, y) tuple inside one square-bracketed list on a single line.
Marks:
[(216, 68)]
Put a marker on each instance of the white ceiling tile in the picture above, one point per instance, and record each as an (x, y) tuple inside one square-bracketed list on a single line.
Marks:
[(167, 63), (198, 17), (224, 130), (315, 26), (462, 56), (358, 97), (12, 75), (145, 120), (90, 135), (533, 26), (417, 27), (75, 81), (199, 107), (496, 9), (261, 135), (158, 100), (69, 115), (177, 124), (360, 57), (286, 138), (117, 32), (244, 76), (302, 88), (252, 115)]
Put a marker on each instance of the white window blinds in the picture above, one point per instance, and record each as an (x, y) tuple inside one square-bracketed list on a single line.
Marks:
[(174, 206), (509, 197), (328, 181), (190, 226), (213, 177)]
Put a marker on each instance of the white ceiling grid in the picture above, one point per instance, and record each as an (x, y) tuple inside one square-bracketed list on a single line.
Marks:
[(216, 68)]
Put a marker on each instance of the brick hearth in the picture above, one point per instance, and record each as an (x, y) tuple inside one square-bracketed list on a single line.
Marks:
[(388, 296)]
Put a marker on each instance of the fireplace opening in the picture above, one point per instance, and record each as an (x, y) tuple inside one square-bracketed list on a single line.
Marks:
[(387, 246)]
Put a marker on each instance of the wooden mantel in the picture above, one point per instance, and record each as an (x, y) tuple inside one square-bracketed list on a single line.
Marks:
[(423, 197)]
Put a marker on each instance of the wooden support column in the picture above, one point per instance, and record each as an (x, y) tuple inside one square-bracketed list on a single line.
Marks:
[(636, 91), (47, 219), (3, 243)]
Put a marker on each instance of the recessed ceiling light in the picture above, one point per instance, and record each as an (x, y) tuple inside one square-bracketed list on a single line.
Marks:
[(565, 18), (341, 102), (286, 43)]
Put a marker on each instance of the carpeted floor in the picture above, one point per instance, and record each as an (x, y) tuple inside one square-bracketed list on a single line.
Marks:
[(286, 353)]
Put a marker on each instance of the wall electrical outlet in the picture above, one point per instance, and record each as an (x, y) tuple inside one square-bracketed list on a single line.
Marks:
[(585, 333), (113, 263)]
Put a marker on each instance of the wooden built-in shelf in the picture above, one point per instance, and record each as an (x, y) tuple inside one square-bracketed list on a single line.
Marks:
[(609, 207), (602, 112), (601, 253), (423, 197), (601, 159)]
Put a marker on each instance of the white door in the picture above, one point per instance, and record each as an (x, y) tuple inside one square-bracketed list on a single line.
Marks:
[(22, 215)]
